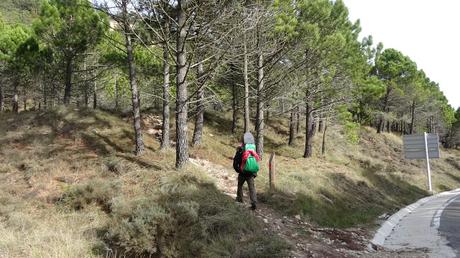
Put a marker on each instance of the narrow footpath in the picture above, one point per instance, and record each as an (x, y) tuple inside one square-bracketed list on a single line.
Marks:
[(306, 239)]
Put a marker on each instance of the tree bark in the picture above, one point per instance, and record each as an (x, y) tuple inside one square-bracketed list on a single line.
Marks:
[(181, 84), (234, 108), (292, 127), (320, 123), (116, 94), (94, 95), (246, 88), (133, 83), (381, 124), (297, 129), (260, 122), (1, 99), (412, 119), (165, 143), (68, 81), (25, 102), (323, 145), (309, 130), (16, 97), (199, 120)]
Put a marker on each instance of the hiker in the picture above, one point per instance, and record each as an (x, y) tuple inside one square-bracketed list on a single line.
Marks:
[(246, 164)]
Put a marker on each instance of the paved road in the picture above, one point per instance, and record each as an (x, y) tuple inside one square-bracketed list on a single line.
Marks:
[(450, 224), (421, 228)]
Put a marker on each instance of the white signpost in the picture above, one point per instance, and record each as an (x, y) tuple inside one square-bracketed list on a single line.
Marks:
[(422, 146)]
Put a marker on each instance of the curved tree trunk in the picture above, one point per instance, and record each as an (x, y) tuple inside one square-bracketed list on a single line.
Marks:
[(199, 120), (133, 83), (165, 143), (181, 92), (260, 107)]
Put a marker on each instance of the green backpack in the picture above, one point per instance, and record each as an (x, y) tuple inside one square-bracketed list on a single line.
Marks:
[(251, 166)]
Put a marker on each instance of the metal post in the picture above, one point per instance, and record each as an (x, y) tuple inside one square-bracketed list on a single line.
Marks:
[(428, 163)]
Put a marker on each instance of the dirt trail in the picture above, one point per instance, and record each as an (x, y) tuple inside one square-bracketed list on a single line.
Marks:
[(305, 239)]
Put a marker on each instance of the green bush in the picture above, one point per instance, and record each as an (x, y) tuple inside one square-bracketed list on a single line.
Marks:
[(98, 192), (186, 217)]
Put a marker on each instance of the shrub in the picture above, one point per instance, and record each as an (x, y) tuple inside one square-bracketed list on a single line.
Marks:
[(186, 217), (98, 192), (113, 165)]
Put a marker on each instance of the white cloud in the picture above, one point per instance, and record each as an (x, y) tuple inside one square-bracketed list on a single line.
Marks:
[(428, 31)]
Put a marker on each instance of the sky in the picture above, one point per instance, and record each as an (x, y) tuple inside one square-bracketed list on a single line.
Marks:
[(428, 31)]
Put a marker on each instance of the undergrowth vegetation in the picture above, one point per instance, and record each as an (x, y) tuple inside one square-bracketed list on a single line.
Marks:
[(70, 186)]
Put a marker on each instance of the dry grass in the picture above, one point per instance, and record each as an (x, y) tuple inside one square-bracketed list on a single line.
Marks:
[(351, 185), (56, 172)]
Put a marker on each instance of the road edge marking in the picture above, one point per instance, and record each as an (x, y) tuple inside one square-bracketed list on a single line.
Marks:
[(387, 227)]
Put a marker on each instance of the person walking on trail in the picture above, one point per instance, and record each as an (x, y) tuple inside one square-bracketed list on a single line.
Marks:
[(246, 164)]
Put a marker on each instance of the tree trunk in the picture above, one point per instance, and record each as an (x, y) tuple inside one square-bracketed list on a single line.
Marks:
[(234, 108), (1, 99), (292, 127), (117, 97), (133, 83), (68, 81), (246, 88), (95, 95), (260, 107), (297, 129), (25, 102), (15, 97), (323, 145), (199, 120), (309, 131), (381, 124), (165, 143), (320, 123), (181, 84), (86, 97)]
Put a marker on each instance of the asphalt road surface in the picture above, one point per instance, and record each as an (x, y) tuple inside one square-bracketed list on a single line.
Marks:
[(450, 224), (434, 226)]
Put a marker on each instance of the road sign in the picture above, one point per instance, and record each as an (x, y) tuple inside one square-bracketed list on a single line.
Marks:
[(414, 146), (423, 146)]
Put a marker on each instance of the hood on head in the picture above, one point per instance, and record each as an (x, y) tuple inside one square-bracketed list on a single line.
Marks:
[(248, 138)]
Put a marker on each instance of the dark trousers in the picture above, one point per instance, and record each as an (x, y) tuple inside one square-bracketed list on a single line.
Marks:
[(252, 189)]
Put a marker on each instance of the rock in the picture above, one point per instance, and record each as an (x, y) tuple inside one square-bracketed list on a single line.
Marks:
[(383, 216), (297, 217), (265, 221)]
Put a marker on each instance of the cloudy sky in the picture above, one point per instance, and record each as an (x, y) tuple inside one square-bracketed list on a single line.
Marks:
[(428, 31)]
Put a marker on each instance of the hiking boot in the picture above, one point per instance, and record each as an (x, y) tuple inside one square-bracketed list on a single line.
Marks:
[(253, 206)]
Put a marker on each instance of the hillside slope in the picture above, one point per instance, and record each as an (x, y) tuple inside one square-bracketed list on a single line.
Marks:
[(71, 187)]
